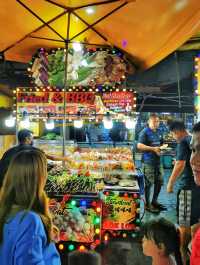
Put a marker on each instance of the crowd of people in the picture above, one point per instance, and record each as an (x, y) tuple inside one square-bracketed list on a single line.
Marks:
[(27, 234)]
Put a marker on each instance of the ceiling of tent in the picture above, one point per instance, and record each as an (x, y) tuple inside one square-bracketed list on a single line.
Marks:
[(147, 30)]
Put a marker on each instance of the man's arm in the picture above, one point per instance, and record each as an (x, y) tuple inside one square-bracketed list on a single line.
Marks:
[(177, 171), (57, 158), (143, 147)]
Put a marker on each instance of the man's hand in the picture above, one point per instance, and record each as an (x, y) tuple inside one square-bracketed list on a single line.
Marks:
[(156, 150), (170, 187)]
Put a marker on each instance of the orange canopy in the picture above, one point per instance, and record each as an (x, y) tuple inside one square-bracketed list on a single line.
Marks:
[(148, 30)]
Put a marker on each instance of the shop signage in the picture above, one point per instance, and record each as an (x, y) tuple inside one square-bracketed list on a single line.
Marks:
[(53, 102), (56, 97), (119, 101), (119, 213)]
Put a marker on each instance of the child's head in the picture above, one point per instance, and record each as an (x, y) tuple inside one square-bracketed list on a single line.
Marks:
[(160, 237)]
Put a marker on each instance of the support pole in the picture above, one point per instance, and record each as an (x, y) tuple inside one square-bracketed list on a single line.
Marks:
[(178, 81), (65, 82)]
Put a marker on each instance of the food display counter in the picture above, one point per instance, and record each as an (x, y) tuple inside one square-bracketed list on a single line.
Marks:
[(95, 196)]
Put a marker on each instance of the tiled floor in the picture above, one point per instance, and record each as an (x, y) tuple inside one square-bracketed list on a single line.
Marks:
[(168, 199)]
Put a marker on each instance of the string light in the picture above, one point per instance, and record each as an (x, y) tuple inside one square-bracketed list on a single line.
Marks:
[(61, 246), (71, 247), (82, 248)]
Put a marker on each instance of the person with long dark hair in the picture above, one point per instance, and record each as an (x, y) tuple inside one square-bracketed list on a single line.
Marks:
[(161, 241), (26, 228)]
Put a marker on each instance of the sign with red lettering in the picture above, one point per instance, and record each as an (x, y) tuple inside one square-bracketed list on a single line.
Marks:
[(43, 102), (55, 97), (53, 102), (119, 213)]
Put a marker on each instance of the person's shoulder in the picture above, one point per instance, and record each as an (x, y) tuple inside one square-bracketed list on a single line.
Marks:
[(186, 140), (144, 130), (30, 220), (9, 152), (31, 216)]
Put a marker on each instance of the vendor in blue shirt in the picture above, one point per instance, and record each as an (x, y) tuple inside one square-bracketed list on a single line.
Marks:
[(149, 142), (26, 230)]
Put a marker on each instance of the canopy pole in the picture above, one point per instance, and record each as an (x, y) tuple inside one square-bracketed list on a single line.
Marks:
[(178, 81), (65, 83)]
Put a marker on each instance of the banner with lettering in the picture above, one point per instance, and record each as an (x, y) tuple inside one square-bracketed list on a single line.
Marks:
[(43, 102)]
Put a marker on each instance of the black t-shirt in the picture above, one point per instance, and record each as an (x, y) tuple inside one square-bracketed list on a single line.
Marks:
[(183, 152), (7, 157)]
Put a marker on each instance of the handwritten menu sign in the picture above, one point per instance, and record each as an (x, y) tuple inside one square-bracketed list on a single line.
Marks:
[(119, 213)]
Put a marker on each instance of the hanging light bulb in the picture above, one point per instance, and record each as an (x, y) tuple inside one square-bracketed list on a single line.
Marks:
[(77, 46), (78, 123), (10, 122), (25, 122), (130, 123), (107, 121), (49, 123)]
